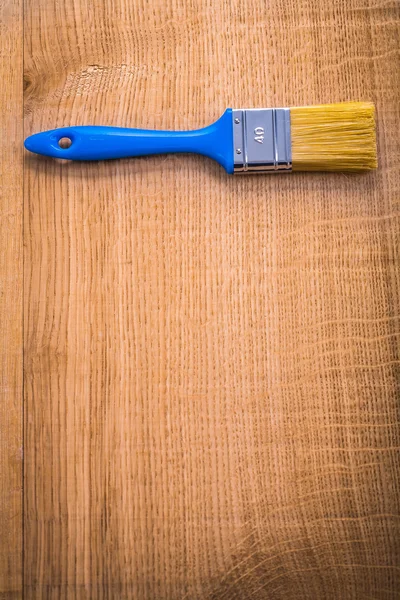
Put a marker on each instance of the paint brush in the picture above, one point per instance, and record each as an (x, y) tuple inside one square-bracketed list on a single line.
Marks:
[(327, 137)]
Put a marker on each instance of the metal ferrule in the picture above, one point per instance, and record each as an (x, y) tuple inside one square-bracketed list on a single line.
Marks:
[(262, 140)]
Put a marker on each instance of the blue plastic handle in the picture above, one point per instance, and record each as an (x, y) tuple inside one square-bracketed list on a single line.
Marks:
[(98, 143)]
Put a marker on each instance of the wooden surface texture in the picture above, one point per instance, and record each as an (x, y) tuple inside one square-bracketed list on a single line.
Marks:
[(210, 397), (11, 291)]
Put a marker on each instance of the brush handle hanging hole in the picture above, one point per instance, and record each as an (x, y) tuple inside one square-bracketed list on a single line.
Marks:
[(65, 143)]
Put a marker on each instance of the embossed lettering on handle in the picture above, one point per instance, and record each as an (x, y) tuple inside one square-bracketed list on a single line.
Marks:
[(259, 135)]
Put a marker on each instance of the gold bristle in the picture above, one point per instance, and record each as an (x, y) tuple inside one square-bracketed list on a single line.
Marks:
[(334, 137)]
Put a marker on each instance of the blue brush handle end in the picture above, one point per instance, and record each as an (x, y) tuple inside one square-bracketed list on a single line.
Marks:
[(98, 143)]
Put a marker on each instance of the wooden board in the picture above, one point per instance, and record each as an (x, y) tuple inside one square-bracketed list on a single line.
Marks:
[(211, 363), (11, 156)]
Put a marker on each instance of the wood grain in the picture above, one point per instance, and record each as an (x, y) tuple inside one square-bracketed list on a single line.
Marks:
[(211, 362), (11, 157)]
